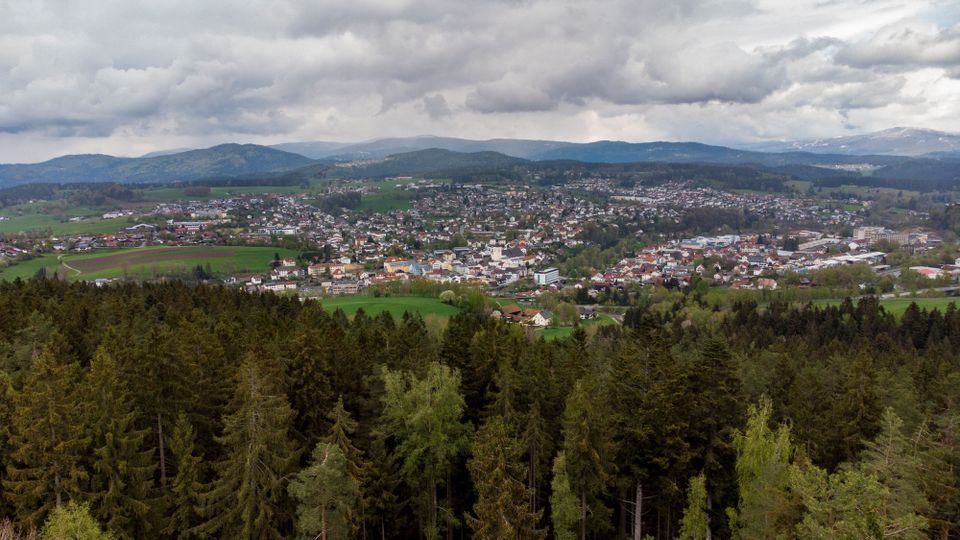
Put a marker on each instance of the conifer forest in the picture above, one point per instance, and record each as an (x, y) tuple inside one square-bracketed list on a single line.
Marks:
[(171, 410)]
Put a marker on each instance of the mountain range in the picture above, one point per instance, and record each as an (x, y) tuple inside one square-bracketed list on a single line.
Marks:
[(899, 141), (429, 155)]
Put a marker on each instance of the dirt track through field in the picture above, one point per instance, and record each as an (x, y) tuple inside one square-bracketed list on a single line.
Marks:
[(146, 257)]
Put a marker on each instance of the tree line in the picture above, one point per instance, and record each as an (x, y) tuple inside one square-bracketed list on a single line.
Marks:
[(172, 410)]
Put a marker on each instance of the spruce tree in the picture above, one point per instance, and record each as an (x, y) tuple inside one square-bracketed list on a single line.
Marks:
[(6, 424), (46, 468), (589, 450), (122, 474), (326, 493), (342, 426), (502, 509), (894, 461), (187, 487), (247, 498)]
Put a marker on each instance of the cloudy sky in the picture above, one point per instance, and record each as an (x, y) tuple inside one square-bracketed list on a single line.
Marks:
[(127, 77)]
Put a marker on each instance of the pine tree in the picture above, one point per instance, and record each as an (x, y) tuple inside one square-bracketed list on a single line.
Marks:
[(538, 447), (326, 493), (246, 500), (162, 383), (894, 461), (187, 487), (564, 507), (381, 503), (6, 424), (696, 522), (502, 509), (589, 450), (122, 474), (46, 468)]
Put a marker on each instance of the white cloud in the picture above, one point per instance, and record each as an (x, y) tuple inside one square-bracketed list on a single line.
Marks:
[(130, 76)]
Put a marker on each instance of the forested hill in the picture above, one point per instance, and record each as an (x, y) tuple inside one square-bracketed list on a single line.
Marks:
[(165, 410), (223, 160)]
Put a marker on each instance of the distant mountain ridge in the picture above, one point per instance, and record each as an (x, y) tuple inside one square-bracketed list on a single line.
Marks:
[(222, 160), (431, 155), (380, 148), (898, 141)]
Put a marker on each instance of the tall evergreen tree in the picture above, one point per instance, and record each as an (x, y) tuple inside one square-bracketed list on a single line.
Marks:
[(589, 451), (122, 473), (246, 500), (894, 460), (186, 489), (326, 493), (46, 468), (502, 509), (342, 426)]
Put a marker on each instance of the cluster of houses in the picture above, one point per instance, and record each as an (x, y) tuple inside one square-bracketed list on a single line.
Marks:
[(7, 250), (527, 317), (742, 262)]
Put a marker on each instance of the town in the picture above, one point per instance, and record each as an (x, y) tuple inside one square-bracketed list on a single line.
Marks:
[(516, 240)]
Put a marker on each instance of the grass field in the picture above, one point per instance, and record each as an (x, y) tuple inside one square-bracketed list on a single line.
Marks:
[(897, 306), (395, 305), (36, 222), (550, 334), (386, 200), (147, 263), (177, 194)]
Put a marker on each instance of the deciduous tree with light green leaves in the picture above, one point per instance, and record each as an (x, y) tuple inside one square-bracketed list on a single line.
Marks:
[(73, 522), (696, 522), (763, 460), (425, 414), (564, 507)]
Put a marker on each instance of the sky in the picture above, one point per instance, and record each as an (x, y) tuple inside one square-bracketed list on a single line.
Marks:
[(127, 77)]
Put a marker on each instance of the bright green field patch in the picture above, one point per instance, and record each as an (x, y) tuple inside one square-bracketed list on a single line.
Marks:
[(37, 222), (395, 305), (153, 262), (897, 306), (28, 269), (551, 334), (178, 194), (387, 200)]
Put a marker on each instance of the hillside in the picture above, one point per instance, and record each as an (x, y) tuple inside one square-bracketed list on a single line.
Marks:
[(222, 160), (433, 161), (381, 148)]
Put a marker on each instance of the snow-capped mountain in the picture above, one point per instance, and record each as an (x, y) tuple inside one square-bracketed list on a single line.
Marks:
[(898, 141)]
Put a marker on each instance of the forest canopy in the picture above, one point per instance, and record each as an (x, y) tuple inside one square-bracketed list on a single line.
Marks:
[(171, 410)]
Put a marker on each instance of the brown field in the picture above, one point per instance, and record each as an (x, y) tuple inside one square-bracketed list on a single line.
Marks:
[(119, 260)]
